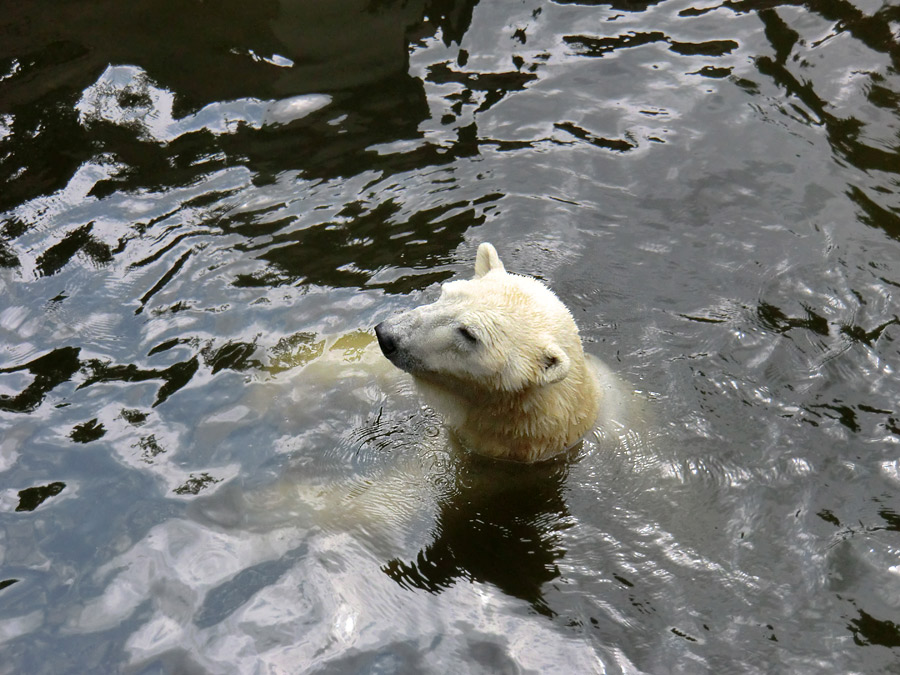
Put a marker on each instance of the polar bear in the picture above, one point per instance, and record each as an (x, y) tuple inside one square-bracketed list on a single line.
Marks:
[(500, 358)]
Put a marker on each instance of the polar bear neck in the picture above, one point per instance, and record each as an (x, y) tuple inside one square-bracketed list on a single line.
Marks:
[(528, 425)]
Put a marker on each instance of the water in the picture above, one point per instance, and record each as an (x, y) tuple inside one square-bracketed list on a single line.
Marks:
[(205, 206)]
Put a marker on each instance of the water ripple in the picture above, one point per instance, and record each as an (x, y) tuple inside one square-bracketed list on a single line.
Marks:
[(197, 234)]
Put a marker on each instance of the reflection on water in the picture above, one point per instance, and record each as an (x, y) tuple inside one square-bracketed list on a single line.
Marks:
[(204, 207), (498, 525), (124, 95)]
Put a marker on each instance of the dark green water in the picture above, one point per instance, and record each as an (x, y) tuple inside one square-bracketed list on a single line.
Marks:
[(198, 198)]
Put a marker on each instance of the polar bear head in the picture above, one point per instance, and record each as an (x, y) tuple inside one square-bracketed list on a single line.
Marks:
[(500, 357)]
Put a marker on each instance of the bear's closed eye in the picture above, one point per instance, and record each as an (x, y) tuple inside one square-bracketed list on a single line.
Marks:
[(467, 334)]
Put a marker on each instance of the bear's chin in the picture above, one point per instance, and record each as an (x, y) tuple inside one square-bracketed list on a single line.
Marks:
[(516, 426)]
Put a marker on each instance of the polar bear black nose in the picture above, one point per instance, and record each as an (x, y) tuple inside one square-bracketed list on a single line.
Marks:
[(385, 340)]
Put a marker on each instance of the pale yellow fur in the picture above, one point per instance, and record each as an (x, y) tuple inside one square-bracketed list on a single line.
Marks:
[(521, 388)]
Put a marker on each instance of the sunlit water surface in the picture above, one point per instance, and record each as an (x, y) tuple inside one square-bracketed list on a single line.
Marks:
[(204, 207)]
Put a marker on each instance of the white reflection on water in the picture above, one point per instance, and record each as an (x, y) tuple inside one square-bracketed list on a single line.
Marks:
[(275, 591), (126, 96), (293, 571), (251, 602)]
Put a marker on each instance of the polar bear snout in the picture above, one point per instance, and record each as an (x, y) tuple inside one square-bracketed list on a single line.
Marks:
[(393, 338), (386, 340)]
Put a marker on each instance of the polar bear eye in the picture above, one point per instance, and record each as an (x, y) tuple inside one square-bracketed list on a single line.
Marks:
[(467, 335)]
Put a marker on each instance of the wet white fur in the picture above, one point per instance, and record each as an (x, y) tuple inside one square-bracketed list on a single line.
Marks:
[(500, 358)]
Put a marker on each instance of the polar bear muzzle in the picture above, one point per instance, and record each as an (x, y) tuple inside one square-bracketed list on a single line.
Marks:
[(396, 343), (386, 340)]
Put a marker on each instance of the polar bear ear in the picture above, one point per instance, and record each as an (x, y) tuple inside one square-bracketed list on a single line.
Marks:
[(487, 260), (554, 364)]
